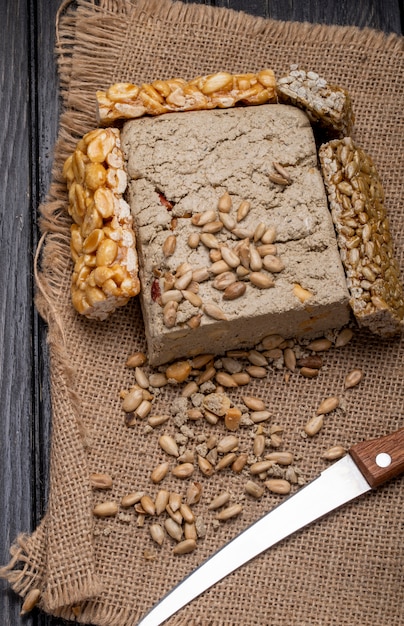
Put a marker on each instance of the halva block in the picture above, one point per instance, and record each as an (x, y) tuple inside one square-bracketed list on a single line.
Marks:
[(235, 238)]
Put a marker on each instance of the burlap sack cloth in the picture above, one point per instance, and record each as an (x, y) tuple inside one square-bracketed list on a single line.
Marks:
[(346, 569)]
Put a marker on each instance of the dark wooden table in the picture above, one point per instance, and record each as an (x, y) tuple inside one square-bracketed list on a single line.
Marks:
[(30, 110)]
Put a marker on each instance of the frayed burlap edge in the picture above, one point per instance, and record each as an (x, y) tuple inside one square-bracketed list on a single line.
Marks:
[(107, 21)]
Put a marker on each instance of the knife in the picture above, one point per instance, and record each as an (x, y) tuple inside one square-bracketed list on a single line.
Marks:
[(367, 465)]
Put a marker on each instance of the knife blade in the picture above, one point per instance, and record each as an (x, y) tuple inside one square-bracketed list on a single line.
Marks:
[(368, 465)]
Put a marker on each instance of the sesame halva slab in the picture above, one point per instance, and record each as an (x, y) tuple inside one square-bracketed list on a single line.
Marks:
[(235, 238)]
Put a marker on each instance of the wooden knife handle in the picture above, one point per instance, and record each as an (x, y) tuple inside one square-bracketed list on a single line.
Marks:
[(380, 459)]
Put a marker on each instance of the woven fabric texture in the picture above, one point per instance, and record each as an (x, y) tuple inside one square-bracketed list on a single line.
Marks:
[(346, 569)]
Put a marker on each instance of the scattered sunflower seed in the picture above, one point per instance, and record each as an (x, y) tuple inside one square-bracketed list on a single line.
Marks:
[(353, 378), (231, 511)]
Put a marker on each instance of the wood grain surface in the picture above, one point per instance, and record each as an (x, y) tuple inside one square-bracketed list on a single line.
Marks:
[(381, 459), (30, 110)]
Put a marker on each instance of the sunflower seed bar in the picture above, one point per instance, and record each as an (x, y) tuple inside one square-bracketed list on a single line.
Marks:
[(228, 251), (357, 206), (325, 104), (105, 274), (220, 90)]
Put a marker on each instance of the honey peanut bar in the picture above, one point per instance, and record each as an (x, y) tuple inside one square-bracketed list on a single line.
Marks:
[(327, 105), (356, 200), (220, 90), (105, 274)]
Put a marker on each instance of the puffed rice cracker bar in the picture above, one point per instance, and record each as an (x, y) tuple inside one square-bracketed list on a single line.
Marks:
[(105, 274), (357, 206), (327, 105)]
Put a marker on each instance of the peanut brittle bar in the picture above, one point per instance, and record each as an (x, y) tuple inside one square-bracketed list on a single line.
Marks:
[(220, 90), (102, 246)]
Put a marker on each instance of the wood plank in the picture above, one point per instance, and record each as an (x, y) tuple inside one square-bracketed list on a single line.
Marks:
[(45, 134), (16, 376), (378, 14), (27, 150), (43, 17)]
